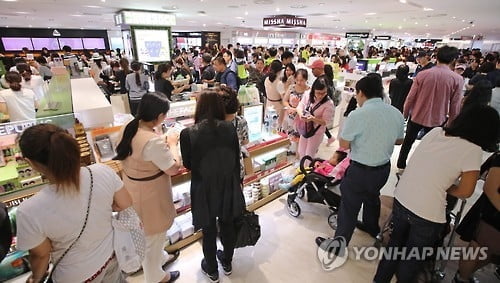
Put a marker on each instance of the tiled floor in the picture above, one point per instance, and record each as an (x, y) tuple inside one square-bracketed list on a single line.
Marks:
[(286, 251)]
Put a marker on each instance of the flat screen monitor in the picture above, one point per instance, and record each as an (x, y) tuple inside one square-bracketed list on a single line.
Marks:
[(152, 45), (16, 43), (91, 43), (74, 43), (362, 65), (41, 42)]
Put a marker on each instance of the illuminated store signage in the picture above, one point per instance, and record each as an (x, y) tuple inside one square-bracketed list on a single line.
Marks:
[(285, 21), (357, 34), (145, 18), (382, 37)]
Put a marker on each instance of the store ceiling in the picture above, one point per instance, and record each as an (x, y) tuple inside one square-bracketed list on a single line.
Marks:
[(414, 19)]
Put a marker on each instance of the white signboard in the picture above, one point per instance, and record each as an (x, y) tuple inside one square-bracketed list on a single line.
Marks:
[(139, 18)]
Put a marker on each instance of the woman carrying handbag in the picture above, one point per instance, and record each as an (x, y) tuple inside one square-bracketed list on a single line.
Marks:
[(69, 220)]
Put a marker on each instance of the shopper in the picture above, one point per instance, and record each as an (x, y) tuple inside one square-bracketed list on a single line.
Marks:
[(215, 190), (148, 162), (479, 94), (353, 61), (43, 68), (232, 106), (317, 108), (424, 63), (288, 76), (17, 102), (207, 71), (495, 96), (33, 82), (121, 75), (400, 87), (137, 84), (291, 101), (272, 87), (481, 226), (434, 97), (226, 77), (419, 209), (50, 221), (163, 81), (230, 63), (370, 161)]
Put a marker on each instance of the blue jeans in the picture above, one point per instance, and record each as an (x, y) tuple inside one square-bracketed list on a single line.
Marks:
[(409, 230)]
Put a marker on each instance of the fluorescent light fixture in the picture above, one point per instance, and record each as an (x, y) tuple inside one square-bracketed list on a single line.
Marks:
[(239, 18), (76, 15), (22, 13), (92, 6), (428, 9), (370, 14), (9, 0)]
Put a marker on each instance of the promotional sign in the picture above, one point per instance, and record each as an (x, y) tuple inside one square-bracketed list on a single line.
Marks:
[(152, 45), (63, 121), (285, 21), (210, 37)]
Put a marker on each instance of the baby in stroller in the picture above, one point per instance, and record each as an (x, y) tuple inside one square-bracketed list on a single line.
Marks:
[(317, 181), (332, 168)]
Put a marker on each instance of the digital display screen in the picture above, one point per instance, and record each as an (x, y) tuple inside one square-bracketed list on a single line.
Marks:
[(16, 43), (152, 45), (74, 43), (91, 43), (50, 43)]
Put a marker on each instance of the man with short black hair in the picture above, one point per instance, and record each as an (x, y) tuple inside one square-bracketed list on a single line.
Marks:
[(286, 58), (208, 71), (434, 98)]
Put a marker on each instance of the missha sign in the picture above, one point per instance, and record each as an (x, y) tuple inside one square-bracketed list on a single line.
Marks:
[(284, 21)]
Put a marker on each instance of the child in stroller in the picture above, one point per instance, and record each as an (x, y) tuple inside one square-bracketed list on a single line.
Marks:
[(317, 180)]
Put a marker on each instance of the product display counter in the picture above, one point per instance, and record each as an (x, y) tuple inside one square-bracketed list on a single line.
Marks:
[(89, 103)]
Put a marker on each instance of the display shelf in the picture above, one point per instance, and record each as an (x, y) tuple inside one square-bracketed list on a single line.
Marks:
[(257, 176), (198, 235), (8, 197), (185, 175)]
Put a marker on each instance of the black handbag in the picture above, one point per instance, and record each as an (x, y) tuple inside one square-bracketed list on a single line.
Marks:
[(247, 229)]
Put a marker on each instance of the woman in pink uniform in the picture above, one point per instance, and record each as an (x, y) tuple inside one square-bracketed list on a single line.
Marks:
[(318, 108)]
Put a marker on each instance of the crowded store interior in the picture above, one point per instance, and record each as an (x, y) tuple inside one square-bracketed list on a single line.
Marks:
[(249, 141)]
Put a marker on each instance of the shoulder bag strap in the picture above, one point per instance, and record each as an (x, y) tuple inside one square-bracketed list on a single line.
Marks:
[(84, 223)]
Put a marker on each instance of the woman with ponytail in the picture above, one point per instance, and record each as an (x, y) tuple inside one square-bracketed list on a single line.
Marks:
[(50, 221), (274, 90), (137, 85), (19, 103), (148, 162)]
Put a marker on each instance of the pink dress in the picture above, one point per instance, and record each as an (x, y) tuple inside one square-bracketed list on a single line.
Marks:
[(309, 146)]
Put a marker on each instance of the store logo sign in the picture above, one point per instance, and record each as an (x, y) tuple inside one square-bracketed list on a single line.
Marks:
[(65, 121), (284, 21)]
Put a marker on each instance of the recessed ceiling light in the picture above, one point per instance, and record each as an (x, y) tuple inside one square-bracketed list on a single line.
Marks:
[(30, 26), (277, 9), (366, 21), (239, 18), (404, 20), (204, 25), (454, 17), (402, 1), (246, 13), (81, 28), (463, 21), (219, 23), (400, 27), (426, 25), (416, 23), (103, 1), (76, 15), (370, 14), (428, 9)]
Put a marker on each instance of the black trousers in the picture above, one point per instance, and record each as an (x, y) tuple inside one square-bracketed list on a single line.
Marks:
[(134, 105), (412, 130), (227, 238), (361, 186)]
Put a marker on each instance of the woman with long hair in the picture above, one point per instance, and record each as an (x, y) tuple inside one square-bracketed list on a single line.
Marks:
[(75, 199), (148, 162), (288, 76), (316, 109), (216, 193), (121, 75), (137, 85), (433, 172), (18, 102)]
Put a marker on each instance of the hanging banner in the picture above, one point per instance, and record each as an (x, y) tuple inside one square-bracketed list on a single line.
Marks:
[(284, 21)]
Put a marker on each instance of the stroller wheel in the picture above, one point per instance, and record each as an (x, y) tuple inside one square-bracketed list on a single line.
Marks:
[(293, 209), (300, 194), (332, 220)]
